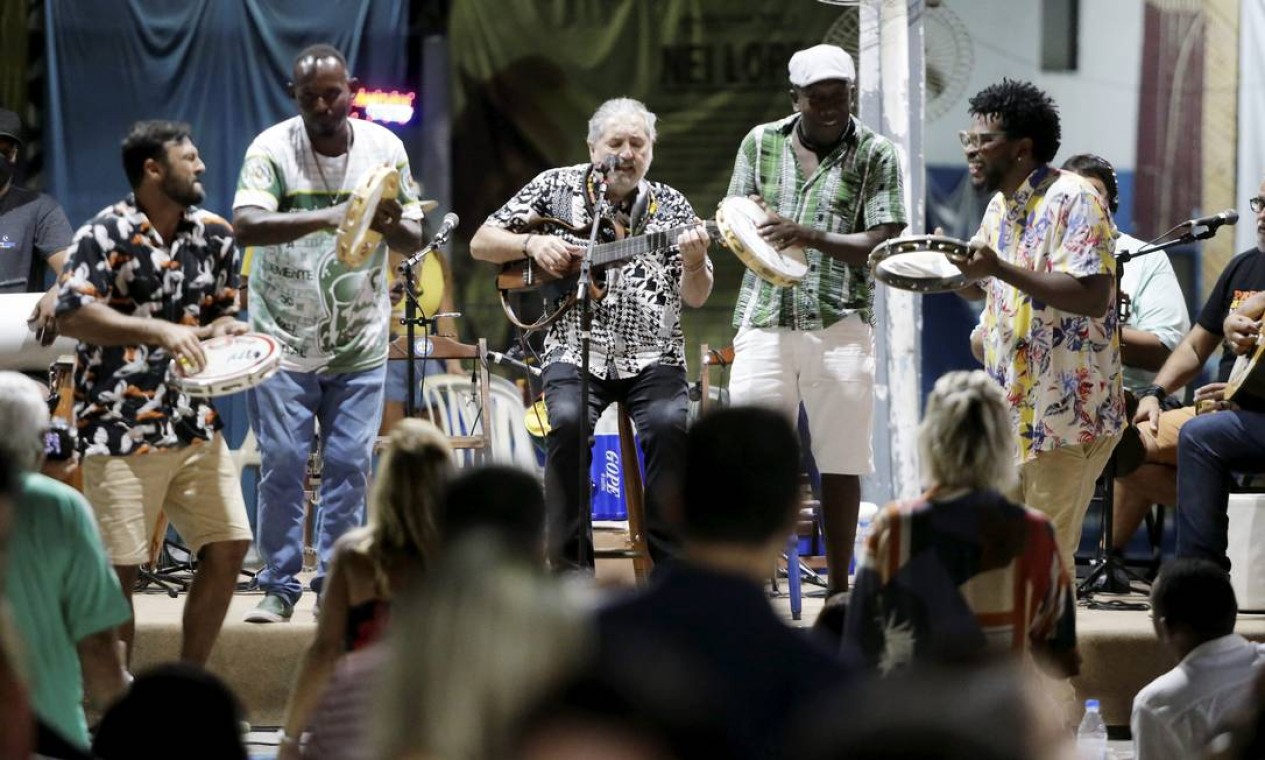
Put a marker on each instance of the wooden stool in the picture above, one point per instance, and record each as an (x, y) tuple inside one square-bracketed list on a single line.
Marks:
[(638, 549)]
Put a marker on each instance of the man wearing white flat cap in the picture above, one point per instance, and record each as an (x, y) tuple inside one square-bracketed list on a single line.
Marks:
[(834, 187)]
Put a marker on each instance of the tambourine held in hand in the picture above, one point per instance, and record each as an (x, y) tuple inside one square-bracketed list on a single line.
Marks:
[(356, 241), (233, 363), (738, 221), (920, 263)]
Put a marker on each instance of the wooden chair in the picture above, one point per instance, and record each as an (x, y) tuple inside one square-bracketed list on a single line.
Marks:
[(465, 433), (638, 549), (709, 358)]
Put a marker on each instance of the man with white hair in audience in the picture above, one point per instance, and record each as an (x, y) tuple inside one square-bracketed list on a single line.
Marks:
[(65, 598)]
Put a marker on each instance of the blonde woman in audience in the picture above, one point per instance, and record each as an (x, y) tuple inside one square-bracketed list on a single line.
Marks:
[(487, 636), (372, 564), (963, 570)]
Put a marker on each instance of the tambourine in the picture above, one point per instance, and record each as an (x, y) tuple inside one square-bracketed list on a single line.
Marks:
[(233, 363), (356, 242), (921, 263), (738, 220)]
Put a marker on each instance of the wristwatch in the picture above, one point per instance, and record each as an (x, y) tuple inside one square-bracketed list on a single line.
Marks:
[(1152, 390)]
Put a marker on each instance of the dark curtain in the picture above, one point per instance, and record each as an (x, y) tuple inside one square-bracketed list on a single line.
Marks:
[(220, 65)]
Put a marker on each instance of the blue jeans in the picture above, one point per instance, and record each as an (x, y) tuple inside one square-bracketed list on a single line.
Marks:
[(284, 410), (657, 401), (1210, 448)]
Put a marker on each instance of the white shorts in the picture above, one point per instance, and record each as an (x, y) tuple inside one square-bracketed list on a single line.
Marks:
[(831, 371)]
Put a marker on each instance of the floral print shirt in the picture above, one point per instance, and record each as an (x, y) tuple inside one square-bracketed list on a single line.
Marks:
[(1060, 371), (123, 401)]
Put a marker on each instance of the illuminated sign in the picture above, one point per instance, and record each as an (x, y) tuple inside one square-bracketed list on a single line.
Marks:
[(392, 107)]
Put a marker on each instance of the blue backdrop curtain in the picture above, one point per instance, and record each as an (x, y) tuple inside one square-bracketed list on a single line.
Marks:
[(220, 65)]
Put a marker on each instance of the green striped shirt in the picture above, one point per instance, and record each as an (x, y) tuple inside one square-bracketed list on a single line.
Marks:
[(856, 187)]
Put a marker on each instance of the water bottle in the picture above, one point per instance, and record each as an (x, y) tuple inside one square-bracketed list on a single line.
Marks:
[(1091, 736), (865, 516)]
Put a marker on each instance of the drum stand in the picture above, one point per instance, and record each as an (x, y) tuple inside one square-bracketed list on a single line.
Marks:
[(1109, 574)]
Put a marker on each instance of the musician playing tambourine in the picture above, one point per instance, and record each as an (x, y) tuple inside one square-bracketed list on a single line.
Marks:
[(322, 295), (637, 351), (148, 280)]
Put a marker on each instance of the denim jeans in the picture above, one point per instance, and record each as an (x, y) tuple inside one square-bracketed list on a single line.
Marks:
[(658, 403), (1210, 449), (283, 411)]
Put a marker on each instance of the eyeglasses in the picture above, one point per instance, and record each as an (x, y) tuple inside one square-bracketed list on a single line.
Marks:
[(1256, 204), (977, 140)]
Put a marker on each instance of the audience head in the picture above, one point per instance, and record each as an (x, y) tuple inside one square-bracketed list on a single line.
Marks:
[(483, 635), (966, 439), (412, 475), (643, 704), (506, 501), (1192, 601), (172, 705), (24, 420), (1100, 173), (741, 478)]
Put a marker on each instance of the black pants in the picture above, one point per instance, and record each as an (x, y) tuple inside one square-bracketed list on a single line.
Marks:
[(658, 403)]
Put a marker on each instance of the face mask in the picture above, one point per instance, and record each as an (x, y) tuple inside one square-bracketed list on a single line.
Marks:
[(6, 170)]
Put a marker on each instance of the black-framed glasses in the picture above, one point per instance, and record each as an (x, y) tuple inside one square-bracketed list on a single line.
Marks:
[(1256, 204), (976, 140)]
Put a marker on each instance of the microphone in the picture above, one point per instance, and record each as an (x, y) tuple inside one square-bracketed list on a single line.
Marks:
[(447, 226), (606, 165), (1229, 216), (496, 357), (441, 236)]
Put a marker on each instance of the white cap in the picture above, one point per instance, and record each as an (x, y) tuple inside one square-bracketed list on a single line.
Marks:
[(819, 63)]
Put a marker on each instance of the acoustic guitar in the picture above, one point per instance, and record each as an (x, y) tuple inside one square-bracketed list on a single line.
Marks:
[(559, 291), (1246, 384)]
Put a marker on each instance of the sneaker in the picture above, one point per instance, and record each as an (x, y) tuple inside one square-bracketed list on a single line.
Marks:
[(273, 609)]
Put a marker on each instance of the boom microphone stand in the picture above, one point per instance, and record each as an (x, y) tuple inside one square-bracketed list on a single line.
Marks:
[(1109, 574), (600, 207)]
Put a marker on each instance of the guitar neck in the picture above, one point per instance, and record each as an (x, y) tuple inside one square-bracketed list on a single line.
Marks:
[(619, 250)]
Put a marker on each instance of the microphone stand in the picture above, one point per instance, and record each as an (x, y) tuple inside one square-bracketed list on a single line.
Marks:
[(412, 309), (1109, 574), (600, 207)]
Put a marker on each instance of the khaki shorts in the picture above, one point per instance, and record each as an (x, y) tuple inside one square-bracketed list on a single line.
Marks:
[(1161, 448), (196, 486), (830, 370)]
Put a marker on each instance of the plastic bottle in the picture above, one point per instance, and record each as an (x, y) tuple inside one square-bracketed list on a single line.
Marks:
[(865, 516), (1091, 736)]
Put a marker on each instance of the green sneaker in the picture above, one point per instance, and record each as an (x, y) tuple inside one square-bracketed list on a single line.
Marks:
[(273, 609)]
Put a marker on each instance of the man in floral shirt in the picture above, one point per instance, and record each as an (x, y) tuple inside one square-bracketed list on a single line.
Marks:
[(1043, 259), (148, 279)]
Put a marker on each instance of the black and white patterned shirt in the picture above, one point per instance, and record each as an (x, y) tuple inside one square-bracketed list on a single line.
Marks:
[(638, 323)]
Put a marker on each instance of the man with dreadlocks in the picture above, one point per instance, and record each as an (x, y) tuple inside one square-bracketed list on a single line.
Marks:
[(1043, 261)]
